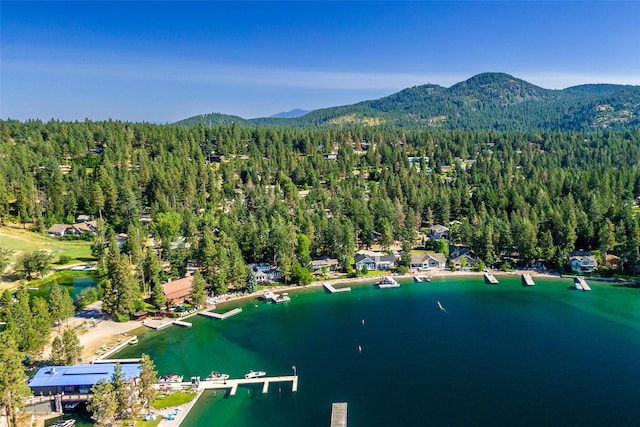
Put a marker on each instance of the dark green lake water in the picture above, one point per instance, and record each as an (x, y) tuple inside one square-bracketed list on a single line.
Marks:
[(499, 355)]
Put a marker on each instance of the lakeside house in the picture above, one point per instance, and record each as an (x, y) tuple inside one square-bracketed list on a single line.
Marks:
[(331, 264), (177, 291), (374, 261), (582, 261), (265, 273), (438, 231), (77, 378), (428, 260), (461, 258)]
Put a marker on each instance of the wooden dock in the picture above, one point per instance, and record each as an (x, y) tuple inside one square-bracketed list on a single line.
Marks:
[(387, 282), (580, 284), (221, 316), (182, 323), (339, 414), (233, 384), (527, 280), (490, 279), (333, 290)]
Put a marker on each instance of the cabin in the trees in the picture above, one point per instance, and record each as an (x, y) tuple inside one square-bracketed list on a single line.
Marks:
[(60, 230), (428, 260), (438, 232), (583, 261), (52, 380), (177, 291)]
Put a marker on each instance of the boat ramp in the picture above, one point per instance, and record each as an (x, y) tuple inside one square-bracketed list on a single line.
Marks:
[(220, 316), (329, 288), (387, 282), (580, 284), (339, 414), (527, 280), (490, 279)]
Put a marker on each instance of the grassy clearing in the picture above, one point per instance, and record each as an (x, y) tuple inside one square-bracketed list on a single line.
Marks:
[(174, 399), (152, 423), (21, 240)]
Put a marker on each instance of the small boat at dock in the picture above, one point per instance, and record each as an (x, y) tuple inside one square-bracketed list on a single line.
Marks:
[(217, 376), (255, 374), (421, 278), (580, 284), (387, 282)]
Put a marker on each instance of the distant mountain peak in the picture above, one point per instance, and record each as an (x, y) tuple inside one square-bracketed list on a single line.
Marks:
[(293, 114)]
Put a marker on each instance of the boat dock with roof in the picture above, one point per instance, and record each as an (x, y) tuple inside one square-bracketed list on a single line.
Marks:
[(490, 279), (333, 290), (527, 280)]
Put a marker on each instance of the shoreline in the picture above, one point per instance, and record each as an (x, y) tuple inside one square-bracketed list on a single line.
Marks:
[(101, 338)]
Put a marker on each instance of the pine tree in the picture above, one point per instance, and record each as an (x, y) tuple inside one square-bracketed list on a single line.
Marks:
[(251, 283), (13, 381), (102, 404), (198, 293), (147, 381), (57, 351), (72, 347)]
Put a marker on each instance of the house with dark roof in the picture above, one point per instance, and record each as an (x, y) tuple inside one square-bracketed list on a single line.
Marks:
[(177, 291), (77, 378), (438, 232), (374, 261)]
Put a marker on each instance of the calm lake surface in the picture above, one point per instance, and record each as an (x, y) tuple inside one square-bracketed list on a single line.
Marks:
[(498, 355)]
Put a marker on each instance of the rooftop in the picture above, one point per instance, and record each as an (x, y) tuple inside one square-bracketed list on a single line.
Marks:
[(87, 374)]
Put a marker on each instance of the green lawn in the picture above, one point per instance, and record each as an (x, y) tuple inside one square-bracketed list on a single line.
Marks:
[(174, 399), (20, 240)]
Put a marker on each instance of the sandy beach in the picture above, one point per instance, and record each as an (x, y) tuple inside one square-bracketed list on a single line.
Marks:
[(100, 337)]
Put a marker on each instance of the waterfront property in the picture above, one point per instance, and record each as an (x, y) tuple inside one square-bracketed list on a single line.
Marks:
[(582, 261), (428, 260), (77, 378), (177, 291), (374, 261)]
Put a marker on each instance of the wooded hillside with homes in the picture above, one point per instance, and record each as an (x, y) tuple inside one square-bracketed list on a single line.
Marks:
[(216, 199)]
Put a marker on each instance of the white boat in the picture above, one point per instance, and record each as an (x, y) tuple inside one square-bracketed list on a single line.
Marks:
[(217, 376), (281, 298), (421, 278), (171, 377), (255, 374), (65, 423), (580, 284), (71, 406)]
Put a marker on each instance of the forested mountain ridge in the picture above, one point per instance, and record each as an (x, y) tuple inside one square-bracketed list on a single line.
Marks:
[(486, 101)]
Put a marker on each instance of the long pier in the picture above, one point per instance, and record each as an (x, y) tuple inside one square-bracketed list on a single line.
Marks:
[(339, 414), (333, 290), (233, 384), (220, 316)]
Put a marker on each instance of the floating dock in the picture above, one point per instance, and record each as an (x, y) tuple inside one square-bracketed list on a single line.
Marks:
[(527, 280), (182, 323), (580, 284), (339, 414), (221, 316), (333, 290), (419, 278), (387, 282), (490, 279)]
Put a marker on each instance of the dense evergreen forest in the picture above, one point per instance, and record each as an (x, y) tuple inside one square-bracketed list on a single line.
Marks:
[(284, 196)]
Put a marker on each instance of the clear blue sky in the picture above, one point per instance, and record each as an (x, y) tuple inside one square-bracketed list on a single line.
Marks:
[(165, 61)]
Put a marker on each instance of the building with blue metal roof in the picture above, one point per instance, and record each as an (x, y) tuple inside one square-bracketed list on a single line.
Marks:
[(77, 378)]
